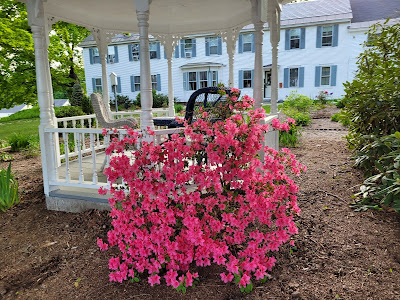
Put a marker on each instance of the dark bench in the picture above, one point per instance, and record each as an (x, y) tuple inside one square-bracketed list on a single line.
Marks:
[(207, 98)]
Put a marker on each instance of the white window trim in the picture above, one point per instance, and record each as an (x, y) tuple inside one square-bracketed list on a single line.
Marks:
[(251, 80), (329, 76), (322, 36), (251, 42)]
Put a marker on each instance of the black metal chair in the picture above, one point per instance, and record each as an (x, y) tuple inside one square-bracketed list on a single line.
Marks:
[(207, 98)]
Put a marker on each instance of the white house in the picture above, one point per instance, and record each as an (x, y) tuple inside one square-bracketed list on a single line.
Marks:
[(319, 43)]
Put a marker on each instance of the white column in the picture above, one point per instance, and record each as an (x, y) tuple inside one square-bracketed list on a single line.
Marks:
[(274, 26), (171, 102), (258, 60), (37, 22), (146, 95), (230, 37)]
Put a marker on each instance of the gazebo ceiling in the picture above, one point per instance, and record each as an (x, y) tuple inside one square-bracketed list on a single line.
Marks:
[(166, 16)]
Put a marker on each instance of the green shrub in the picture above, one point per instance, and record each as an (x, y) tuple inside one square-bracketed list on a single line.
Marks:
[(340, 103), (341, 117), (301, 118), (68, 111), (31, 113), (159, 100), (3, 144), (382, 188), (87, 107), (323, 97), (373, 97), (179, 108), (20, 142), (298, 102), (8, 189), (291, 138), (77, 95)]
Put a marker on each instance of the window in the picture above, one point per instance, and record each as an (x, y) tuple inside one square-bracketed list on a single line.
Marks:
[(154, 82), (214, 78), (97, 86), (134, 51), (94, 56), (136, 83), (293, 77), (188, 48), (192, 81), (111, 55), (325, 75), (203, 80), (247, 42), (327, 34), (213, 45), (247, 79), (153, 50), (197, 80), (295, 38)]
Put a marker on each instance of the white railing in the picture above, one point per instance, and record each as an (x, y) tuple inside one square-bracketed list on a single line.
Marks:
[(80, 155)]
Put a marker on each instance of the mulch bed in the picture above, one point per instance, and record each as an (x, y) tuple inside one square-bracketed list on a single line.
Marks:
[(341, 254)]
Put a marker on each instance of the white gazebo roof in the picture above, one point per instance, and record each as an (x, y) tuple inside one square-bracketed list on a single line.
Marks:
[(166, 16)]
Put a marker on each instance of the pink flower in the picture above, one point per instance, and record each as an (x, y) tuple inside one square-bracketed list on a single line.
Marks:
[(155, 279), (102, 246), (226, 278), (244, 281)]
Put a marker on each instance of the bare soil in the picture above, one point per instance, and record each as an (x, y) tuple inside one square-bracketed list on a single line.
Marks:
[(341, 254)]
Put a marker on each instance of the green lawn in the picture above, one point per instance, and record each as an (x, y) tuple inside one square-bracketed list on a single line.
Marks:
[(26, 127)]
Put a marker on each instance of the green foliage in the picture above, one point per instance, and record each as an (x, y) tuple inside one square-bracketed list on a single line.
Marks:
[(3, 144), (4, 156), (298, 102), (179, 108), (382, 158), (301, 118), (373, 97), (123, 102), (17, 59), (159, 100), (322, 97), (340, 103), (19, 142), (8, 189), (87, 107), (289, 139), (68, 111), (77, 95), (342, 117)]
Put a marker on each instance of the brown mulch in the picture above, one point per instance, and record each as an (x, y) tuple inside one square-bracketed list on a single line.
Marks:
[(341, 254)]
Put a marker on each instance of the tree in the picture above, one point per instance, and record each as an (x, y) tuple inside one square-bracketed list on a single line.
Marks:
[(17, 69), (65, 56), (17, 60)]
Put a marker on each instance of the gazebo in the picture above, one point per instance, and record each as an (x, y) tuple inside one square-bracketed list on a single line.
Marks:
[(168, 21)]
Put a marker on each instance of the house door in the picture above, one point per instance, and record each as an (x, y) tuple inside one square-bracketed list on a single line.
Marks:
[(267, 84)]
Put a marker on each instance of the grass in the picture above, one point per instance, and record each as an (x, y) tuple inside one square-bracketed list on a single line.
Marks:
[(26, 127), (32, 113)]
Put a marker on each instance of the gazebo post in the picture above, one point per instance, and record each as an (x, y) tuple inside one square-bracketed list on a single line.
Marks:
[(258, 58), (38, 23), (102, 45), (274, 18), (230, 37), (146, 96)]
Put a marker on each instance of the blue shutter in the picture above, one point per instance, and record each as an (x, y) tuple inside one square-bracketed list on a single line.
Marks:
[(253, 43), (240, 48), (287, 39), (158, 82), (301, 77), (165, 55), (302, 38), (219, 46), (182, 48), (193, 47), (176, 51), (158, 50), (119, 85), (240, 79), (94, 84), (335, 38), (91, 56), (319, 36), (185, 81), (132, 84), (317, 76), (116, 54), (130, 52), (207, 47), (252, 77), (333, 75), (286, 77)]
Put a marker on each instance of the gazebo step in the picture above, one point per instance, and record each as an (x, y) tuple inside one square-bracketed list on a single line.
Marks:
[(72, 199)]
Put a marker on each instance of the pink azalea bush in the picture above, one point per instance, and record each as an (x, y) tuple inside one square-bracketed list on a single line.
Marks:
[(202, 197)]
